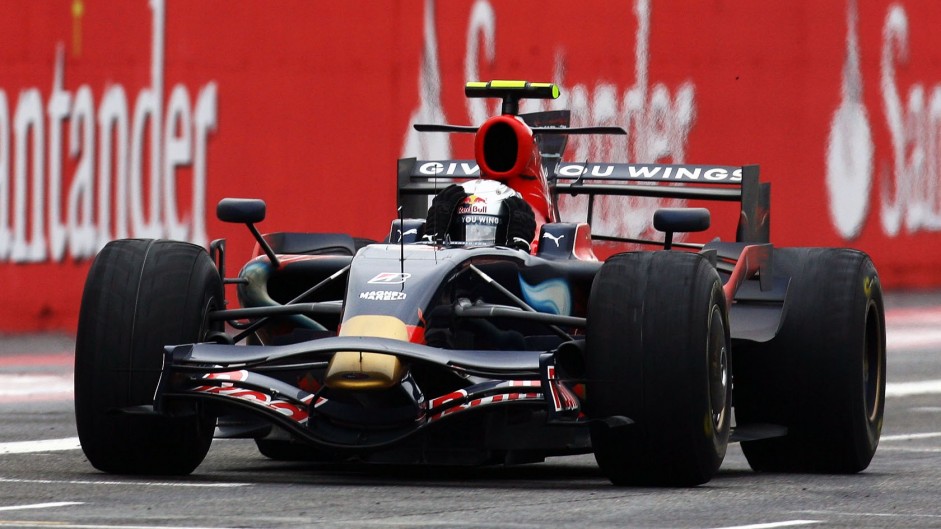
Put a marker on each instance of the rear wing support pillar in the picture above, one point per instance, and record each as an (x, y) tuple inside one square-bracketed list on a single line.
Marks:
[(754, 223), (413, 198)]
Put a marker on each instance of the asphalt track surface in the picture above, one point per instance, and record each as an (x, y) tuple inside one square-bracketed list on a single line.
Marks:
[(45, 480)]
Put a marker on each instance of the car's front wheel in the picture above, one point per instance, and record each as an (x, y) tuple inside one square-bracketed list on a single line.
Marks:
[(141, 295), (658, 354)]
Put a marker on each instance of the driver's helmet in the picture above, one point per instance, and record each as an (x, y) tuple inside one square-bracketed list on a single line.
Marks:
[(482, 218)]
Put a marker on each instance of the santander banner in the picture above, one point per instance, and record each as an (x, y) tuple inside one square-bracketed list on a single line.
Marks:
[(133, 118)]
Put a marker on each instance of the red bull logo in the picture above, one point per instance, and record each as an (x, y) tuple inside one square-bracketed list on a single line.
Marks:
[(473, 204)]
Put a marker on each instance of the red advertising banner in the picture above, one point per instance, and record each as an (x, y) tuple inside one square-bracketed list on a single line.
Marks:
[(133, 118)]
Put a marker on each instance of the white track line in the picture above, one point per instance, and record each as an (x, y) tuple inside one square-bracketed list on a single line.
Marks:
[(873, 514), (908, 450), (909, 389), (59, 525), (41, 505), (771, 525), (900, 317), (17, 388), (913, 328), (182, 484), (49, 445), (910, 436), (911, 338)]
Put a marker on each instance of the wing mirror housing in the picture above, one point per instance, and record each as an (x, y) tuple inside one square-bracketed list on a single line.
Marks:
[(247, 211), (241, 210), (683, 220)]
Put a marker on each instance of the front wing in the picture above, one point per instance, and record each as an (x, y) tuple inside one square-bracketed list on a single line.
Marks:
[(247, 377)]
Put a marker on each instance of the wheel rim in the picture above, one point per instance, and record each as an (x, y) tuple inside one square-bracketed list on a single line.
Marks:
[(873, 365), (718, 370)]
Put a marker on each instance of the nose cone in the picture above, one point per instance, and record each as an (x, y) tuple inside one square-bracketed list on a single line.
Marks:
[(363, 371)]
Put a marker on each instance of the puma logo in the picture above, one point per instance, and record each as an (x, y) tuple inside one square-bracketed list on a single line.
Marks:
[(554, 239), (413, 231)]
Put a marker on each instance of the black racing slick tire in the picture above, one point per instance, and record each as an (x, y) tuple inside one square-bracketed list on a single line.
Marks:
[(657, 352), (823, 375), (141, 295)]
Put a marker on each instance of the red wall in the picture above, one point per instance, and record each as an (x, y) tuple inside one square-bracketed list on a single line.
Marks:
[(308, 105)]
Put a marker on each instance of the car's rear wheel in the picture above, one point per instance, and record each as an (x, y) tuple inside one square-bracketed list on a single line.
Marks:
[(823, 375), (658, 354), (141, 295)]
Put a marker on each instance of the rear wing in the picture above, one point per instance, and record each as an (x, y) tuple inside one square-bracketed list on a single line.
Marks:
[(418, 179)]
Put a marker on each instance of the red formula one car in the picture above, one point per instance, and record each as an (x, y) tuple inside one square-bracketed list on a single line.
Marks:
[(484, 331)]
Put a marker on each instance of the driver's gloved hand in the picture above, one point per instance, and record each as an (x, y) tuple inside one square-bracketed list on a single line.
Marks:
[(521, 224), (442, 211)]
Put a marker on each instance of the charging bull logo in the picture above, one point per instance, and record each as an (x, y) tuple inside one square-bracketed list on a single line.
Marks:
[(473, 204)]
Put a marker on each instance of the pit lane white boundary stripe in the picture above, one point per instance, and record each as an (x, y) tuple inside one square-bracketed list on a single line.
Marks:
[(41, 505), (771, 525), (48, 445)]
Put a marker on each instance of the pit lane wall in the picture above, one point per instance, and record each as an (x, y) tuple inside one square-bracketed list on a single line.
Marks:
[(133, 118)]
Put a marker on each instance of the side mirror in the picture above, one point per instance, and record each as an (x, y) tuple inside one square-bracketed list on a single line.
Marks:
[(241, 210), (247, 211), (672, 220)]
